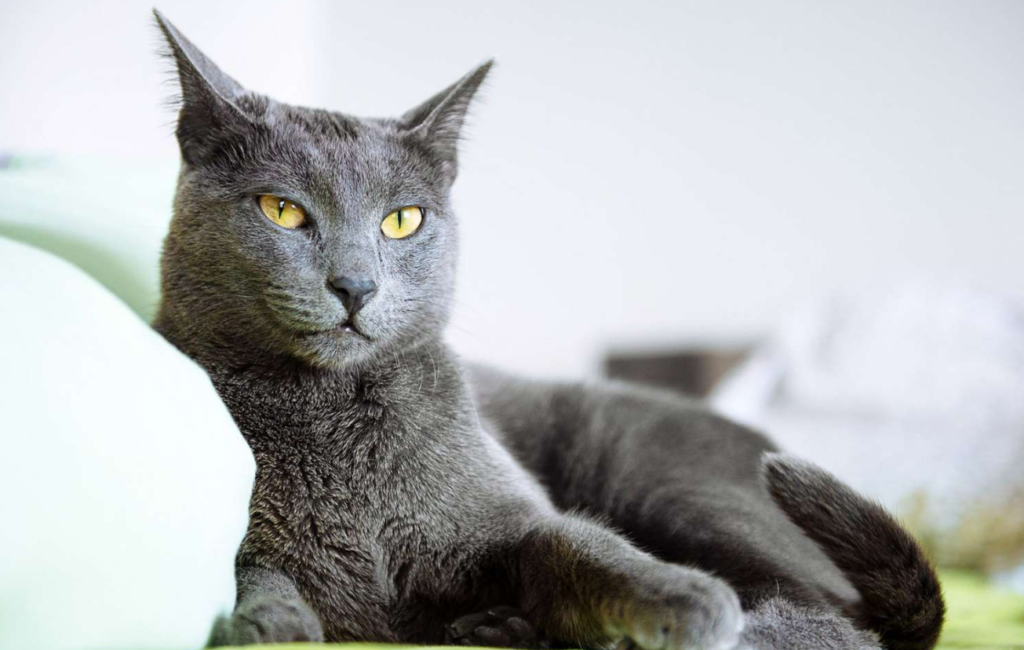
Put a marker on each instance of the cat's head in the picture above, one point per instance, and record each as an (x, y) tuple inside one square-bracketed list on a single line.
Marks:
[(305, 232)]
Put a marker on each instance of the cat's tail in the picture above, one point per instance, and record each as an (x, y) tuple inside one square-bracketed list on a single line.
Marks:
[(902, 599)]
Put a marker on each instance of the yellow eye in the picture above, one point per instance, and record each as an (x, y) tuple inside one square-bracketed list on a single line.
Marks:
[(402, 223), (282, 211)]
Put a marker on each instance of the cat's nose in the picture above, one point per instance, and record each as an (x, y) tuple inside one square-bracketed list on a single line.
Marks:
[(354, 292)]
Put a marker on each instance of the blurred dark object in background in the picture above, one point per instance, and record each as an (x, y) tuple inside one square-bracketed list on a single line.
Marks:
[(689, 370)]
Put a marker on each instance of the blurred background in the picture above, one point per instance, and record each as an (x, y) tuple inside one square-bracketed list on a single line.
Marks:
[(637, 174), (811, 213)]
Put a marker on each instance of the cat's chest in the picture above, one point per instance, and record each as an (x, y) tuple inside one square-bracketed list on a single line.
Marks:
[(373, 507), (361, 545), (350, 505)]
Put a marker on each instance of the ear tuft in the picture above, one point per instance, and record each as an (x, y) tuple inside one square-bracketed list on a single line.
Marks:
[(196, 72), (207, 101), (438, 121)]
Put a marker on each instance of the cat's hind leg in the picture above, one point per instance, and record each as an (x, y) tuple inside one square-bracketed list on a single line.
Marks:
[(778, 624)]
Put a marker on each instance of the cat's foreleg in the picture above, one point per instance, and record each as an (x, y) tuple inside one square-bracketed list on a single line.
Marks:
[(583, 584), (269, 610)]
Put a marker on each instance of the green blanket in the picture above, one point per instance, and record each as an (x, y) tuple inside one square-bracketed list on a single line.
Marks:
[(979, 618)]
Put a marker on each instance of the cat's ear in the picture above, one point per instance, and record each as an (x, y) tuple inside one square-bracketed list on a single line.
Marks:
[(207, 104), (438, 121)]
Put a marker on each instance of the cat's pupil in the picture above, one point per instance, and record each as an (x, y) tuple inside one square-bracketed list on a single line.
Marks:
[(400, 219), (280, 209)]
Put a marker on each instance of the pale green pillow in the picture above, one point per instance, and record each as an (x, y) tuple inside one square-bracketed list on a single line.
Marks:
[(107, 217)]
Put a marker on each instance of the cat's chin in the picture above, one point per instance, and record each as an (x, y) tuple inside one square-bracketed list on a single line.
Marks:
[(338, 348)]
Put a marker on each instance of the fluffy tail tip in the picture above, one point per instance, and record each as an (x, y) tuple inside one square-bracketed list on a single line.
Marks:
[(902, 596)]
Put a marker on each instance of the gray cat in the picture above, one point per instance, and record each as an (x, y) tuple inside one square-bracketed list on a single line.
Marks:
[(401, 496)]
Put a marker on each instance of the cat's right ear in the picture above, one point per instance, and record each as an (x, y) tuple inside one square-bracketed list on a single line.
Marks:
[(207, 103), (438, 121)]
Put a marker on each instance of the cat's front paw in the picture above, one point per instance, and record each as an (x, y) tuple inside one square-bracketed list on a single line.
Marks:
[(499, 627), (268, 619), (688, 611)]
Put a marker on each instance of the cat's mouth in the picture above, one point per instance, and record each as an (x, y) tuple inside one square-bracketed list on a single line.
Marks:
[(349, 328), (345, 328)]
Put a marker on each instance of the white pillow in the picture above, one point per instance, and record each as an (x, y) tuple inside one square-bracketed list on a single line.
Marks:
[(124, 482)]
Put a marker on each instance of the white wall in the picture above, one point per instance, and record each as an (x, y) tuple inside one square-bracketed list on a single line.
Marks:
[(640, 173)]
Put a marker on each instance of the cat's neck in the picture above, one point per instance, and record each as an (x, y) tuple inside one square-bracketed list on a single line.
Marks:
[(426, 370), (286, 400)]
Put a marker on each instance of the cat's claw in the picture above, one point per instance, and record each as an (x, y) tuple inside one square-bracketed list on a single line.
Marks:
[(502, 627)]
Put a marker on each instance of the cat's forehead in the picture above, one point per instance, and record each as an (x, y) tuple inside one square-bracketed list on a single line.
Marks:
[(334, 156), (318, 124), (341, 140)]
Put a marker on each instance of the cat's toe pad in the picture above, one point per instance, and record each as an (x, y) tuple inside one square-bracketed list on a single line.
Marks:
[(502, 627)]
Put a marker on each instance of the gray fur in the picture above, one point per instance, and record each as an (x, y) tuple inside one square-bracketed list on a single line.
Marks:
[(779, 623), (402, 497)]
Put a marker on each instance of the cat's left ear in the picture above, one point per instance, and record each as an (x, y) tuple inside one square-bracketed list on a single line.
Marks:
[(208, 96), (438, 121)]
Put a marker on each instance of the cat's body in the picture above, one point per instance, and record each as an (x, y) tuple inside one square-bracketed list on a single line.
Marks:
[(402, 497), (387, 505)]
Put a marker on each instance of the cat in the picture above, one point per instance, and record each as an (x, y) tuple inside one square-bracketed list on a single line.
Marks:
[(403, 496)]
